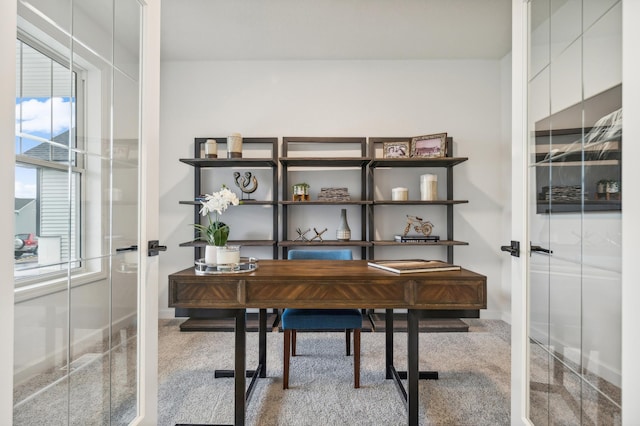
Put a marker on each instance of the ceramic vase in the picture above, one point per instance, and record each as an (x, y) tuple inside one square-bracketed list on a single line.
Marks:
[(344, 232)]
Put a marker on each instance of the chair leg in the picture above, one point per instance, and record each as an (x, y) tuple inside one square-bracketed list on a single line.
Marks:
[(293, 343), (347, 334), (356, 358), (287, 352)]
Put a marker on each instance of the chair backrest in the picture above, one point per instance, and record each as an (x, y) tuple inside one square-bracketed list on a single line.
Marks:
[(320, 254)]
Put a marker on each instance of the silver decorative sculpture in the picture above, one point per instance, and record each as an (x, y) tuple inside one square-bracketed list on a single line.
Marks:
[(318, 235), (302, 234), (247, 183)]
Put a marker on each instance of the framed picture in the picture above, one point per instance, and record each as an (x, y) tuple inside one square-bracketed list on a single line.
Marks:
[(395, 149), (429, 146)]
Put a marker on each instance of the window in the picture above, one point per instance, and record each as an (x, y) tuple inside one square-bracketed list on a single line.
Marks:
[(49, 171)]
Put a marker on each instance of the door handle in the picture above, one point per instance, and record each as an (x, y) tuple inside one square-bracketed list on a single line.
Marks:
[(514, 248), (154, 248), (541, 249), (130, 248)]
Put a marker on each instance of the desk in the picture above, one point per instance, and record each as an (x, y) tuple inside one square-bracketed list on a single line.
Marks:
[(327, 284)]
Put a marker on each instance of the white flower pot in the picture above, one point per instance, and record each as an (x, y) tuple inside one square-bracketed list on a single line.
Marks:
[(210, 255)]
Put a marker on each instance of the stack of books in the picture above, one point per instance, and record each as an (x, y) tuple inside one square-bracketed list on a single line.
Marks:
[(417, 238)]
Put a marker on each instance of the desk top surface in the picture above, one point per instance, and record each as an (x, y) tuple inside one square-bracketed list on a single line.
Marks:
[(282, 283)]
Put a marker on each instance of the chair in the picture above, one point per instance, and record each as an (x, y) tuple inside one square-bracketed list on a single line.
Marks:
[(321, 319)]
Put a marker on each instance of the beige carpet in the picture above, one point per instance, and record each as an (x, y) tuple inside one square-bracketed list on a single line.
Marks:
[(473, 388)]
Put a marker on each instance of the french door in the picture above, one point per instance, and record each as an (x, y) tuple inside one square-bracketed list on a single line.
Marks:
[(84, 320), (573, 204)]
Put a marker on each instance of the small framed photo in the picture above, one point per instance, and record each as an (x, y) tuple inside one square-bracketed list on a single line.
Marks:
[(429, 146), (395, 149)]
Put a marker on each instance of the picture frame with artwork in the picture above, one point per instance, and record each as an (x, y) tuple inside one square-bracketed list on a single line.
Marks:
[(400, 149), (429, 146)]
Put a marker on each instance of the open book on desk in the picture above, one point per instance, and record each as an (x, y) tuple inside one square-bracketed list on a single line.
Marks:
[(410, 266)]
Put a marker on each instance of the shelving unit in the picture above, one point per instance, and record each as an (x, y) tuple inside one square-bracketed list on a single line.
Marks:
[(304, 156), (444, 162), (199, 163), (447, 320), (294, 158)]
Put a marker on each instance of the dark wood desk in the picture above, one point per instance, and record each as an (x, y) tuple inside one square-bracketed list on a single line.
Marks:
[(327, 284)]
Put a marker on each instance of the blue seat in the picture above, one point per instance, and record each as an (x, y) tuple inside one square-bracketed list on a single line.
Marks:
[(321, 319)]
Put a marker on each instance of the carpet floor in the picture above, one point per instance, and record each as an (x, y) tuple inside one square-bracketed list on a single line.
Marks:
[(473, 388)]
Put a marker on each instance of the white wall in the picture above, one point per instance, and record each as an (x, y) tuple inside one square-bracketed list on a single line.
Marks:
[(344, 98)]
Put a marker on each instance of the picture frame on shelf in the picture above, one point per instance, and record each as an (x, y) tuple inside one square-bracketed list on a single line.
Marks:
[(429, 146), (401, 149)]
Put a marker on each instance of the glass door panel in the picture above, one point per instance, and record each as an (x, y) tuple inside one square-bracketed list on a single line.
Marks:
[(575, 150), (125, 225), (539, 279), (76, 313)]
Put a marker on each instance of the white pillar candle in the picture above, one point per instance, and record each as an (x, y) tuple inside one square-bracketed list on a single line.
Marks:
[(399, 194), (429, 187), (228, 258), (211, 149), (234, 145)]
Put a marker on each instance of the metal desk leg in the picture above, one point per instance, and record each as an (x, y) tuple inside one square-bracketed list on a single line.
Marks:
[(412, 367), (262, 343), (389, 343), (240, 367)]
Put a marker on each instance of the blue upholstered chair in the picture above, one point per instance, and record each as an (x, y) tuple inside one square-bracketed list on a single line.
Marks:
[(321, 319)]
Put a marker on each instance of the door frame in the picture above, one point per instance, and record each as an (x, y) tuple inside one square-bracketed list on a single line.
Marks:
[(149, 217), (148, 290), (519, 212), (8, 25), (631, 211)]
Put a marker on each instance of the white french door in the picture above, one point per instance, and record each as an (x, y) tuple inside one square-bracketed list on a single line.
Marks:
[(567, 319), (85, 305)]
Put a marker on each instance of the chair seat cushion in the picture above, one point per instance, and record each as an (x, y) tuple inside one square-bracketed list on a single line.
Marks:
[(321, 319)]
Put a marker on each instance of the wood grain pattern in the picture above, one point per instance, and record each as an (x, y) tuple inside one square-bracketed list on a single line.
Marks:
[(327, 284)]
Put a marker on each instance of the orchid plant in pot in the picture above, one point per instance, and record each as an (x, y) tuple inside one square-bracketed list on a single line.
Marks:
[(216, 232)]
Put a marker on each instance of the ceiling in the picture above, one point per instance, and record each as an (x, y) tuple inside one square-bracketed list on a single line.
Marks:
[(195, 30)]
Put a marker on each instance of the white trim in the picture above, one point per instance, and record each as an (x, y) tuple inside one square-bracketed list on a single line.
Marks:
[(631, 210), (8, 24), (519, 188), (149, 216)]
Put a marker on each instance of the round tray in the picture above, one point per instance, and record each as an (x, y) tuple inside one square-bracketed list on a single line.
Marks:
[(247, 264)]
